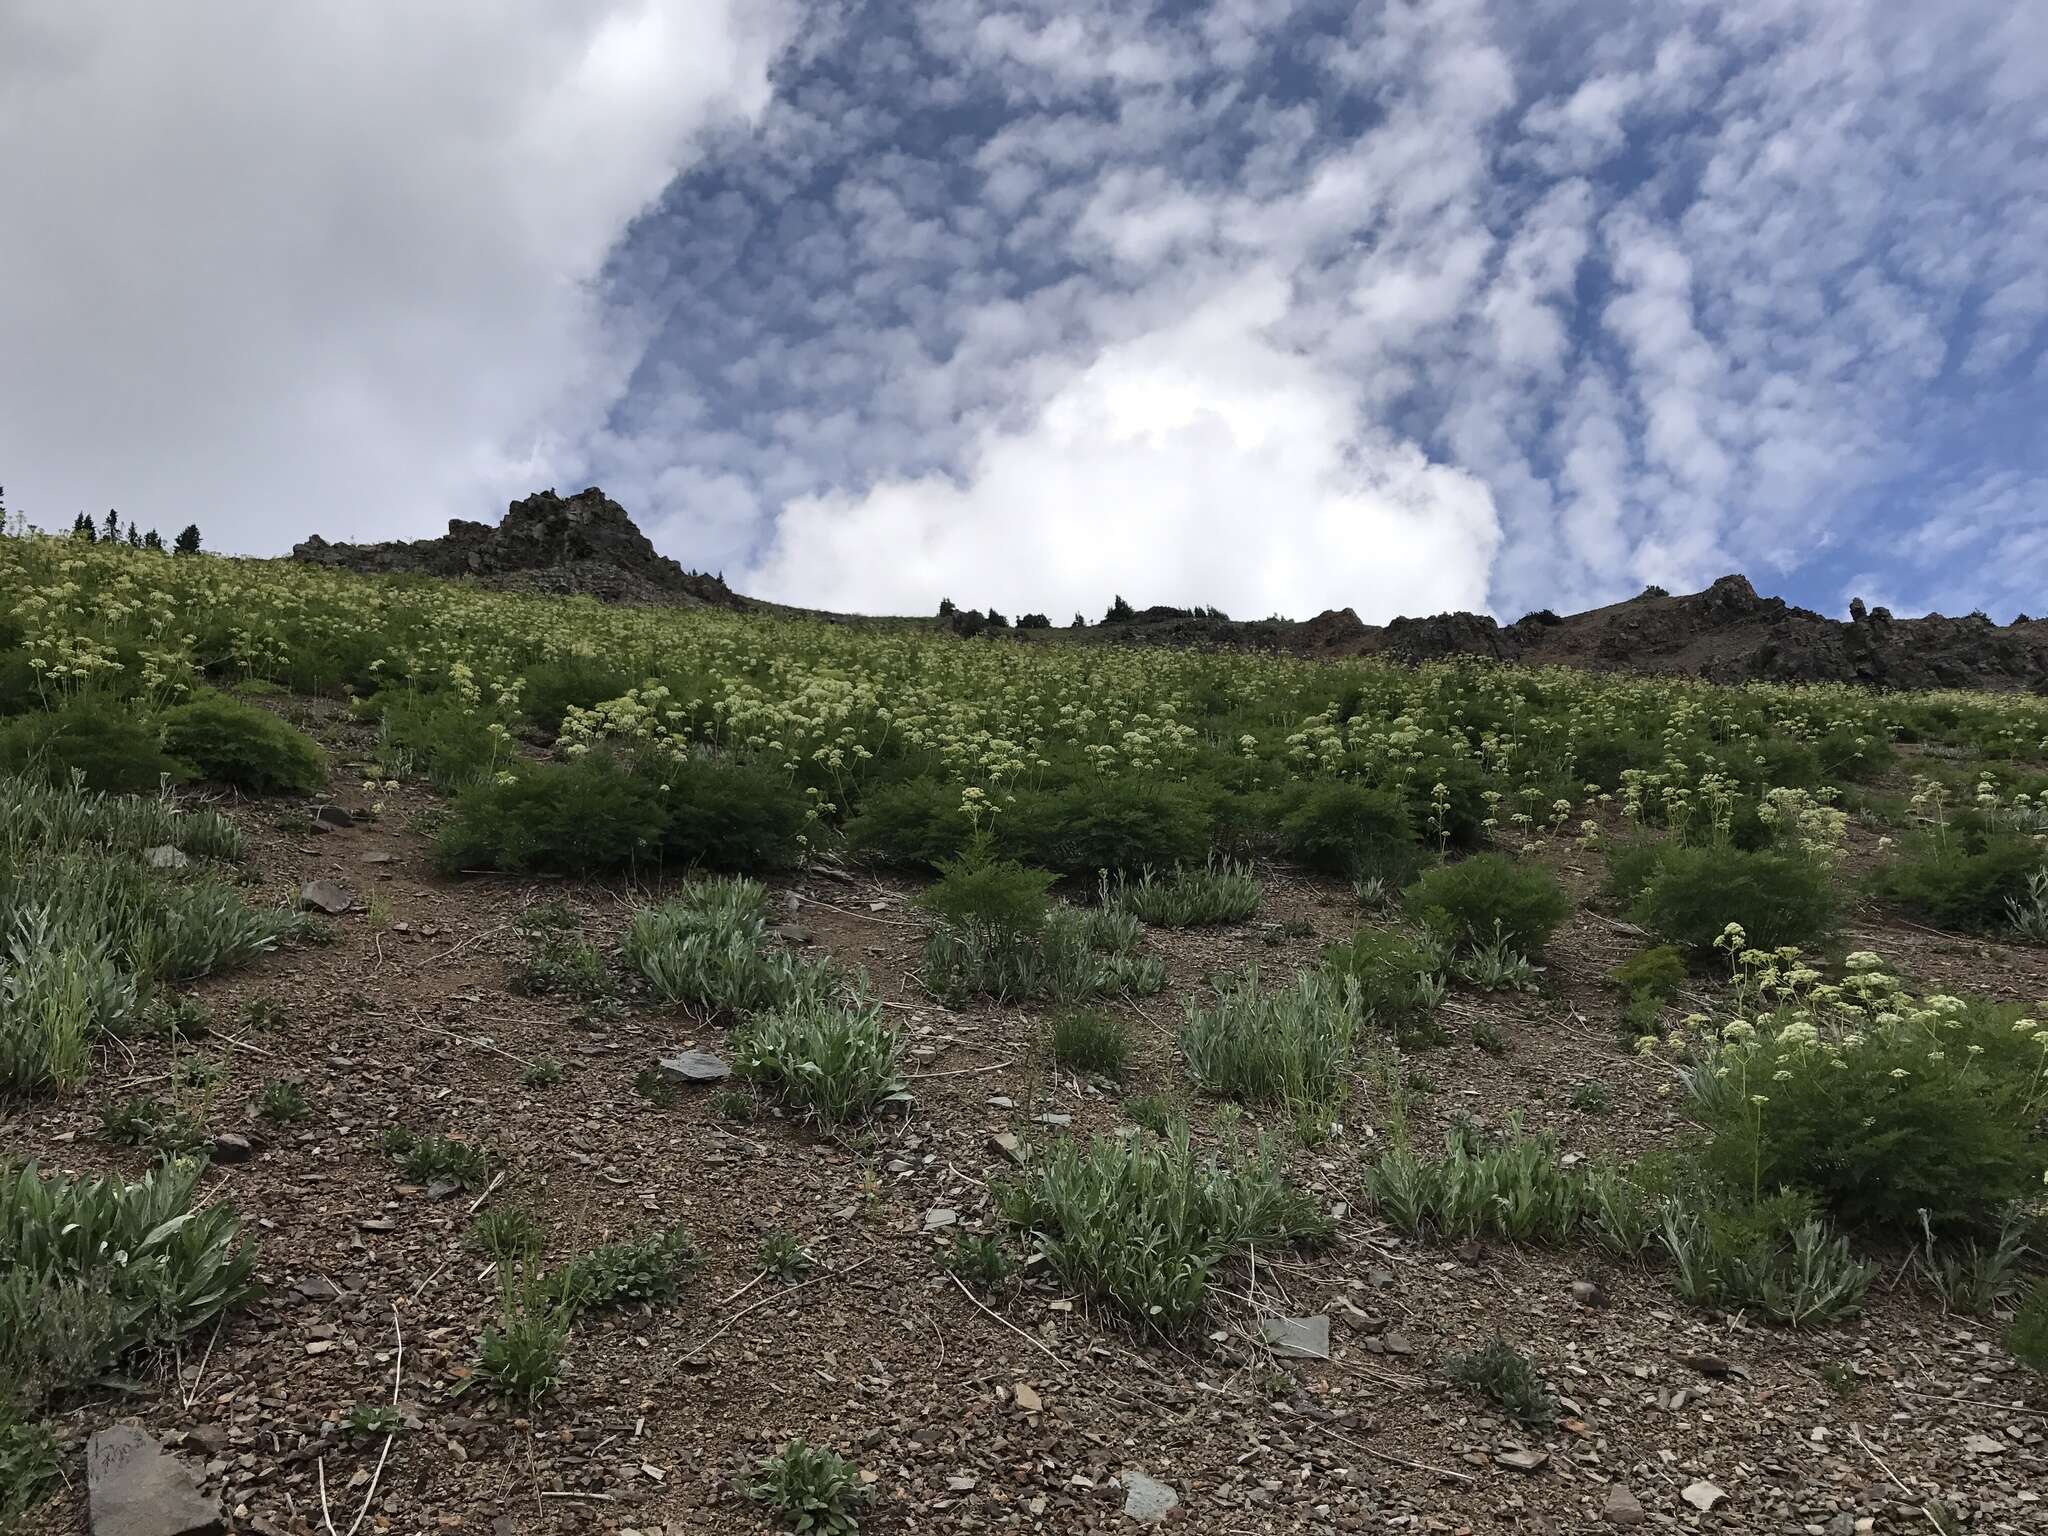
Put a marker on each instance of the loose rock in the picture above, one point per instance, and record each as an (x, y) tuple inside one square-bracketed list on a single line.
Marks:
[(326, 896), (1702, 1495), (134, 1488), (1147, 1500), (1622, 1506), (694, 1067), (1298, 1338)]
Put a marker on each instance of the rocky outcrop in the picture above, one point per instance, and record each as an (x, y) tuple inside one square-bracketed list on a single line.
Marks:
[(559, 545)]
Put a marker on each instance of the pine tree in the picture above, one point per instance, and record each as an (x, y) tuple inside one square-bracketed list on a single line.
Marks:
[(187, 542), (134, 535), (153, 540), (83, 527), (112, 532)]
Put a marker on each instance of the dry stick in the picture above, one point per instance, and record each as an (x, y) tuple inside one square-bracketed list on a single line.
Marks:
[(489, 1190), (830, 1274), (243, 1045), (1036, 1344), (193, 1396), (1972, 1402), (919, 1077), (472, 939), (1399, 1461), (1856, 1434), (370, 1493), (890, 922)]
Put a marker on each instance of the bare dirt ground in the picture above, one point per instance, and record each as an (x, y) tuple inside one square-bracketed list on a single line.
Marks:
[(1027, 1418)]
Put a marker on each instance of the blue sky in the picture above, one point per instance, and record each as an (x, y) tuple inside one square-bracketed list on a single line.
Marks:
[(1275, 304)]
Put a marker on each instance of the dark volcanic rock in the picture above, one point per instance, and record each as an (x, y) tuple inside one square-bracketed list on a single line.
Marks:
[(547, 543)]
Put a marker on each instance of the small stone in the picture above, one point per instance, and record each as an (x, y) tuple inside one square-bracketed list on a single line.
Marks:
[(317, 1288), (1147, 1500), (939, 1216), (694, 1067), (1297, 1338), (1397, 1343), (378, 857), (1534, 1459), (164, 856), (1842, 1523), (1026, 1398), (326, 896), (1009, 1146), (333, 818), (792, 933), (1983, 1445), (133, 1488), (228, 1147), (1050, 1119), (1587, 1293), (1622, 1506), (1710, 1365), (378, 1224), (1702, 1495)]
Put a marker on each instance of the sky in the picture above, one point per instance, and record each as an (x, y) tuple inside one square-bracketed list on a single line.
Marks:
[(1276, 305)]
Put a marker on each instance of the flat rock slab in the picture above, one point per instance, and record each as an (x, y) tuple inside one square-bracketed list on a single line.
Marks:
[(695, 1067), (1298, 1338), (133, 1488), (326, 896), (164, 856), (1147, 1500), (1622, 1507)]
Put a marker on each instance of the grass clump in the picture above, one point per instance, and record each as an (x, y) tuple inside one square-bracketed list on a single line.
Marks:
[(560, 962), (1489, 898), (283, 1102), (836, 1061), (1290, 1048), (143, 1121), (810, 1489), (507, 1233), (1778, 897), (230, 742), (521, 1358), (437, 1158), (1088, 1040), (1140, 1223), (649, 1272), (784, 1258), (1500, 1374), (1219, 892), (1772, 1256), (981, 1261), (709, 947), (2027, 1338)]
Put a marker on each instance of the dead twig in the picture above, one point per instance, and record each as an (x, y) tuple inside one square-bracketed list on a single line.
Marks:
[(1036, 1344), (830, 1274), (919, 1077), (489, 1190), (377, 1476), (1856, 1434)]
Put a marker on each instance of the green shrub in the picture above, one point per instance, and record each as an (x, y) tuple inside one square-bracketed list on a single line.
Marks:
[(1778, 898), (649, 1272), (1500, 1374), (811, 1489), (1345, 828), (916, 823), (583, 816), (1087, 1040), (1929, 1109), (1489, 897), (555, 686), (1399, 982), (728, 813), (245, 745), (783, 1256), (1140, 1224), (441, 735), (980, 1261), (1631, 865), (1291, 1048), (29, 1467), (838, 1062), (1658, 970), (521, 1358), (1114, 824), (110, 745), (1971, 882), (432, 1158), (1513, 1188)]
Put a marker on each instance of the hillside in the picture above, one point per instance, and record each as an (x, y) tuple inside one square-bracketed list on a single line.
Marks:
[(588, 544)]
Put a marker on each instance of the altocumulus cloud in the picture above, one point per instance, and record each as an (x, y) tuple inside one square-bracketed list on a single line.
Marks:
[(287, 267)]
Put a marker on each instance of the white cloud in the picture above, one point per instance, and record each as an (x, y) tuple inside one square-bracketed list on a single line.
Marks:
[(1197, 463), (277, 268)]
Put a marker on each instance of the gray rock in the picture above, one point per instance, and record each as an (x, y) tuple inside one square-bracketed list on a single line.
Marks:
[(1009, 1146), (1298, 1338), (791, 933), (378, 857), (1534, 1459), (1622, 1507), (332, 817), (1147, 1500), (326, 896), (317, 1288), (694, 1067), (939, 1216), (133, 1488), (1588, 1293), (164, 856), (231, 1148), (1842, 1523)]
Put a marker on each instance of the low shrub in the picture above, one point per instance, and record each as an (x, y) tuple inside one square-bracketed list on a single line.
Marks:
[(1777, 898), (1086, 1040), (1969, 882), (839, 1062), (915, 823), (1140, 1224), (1500, 1374), (649, 1272), (709, 947), (1772, 1256), (521, 1358), (1219, 892), (553, 687), (1398, 981), (1291, 1048), (1658, 970), (441, 735), (231, 742), (1489, 897), (1115, 824), (1342, 827), (112, 746), (810, 1488)]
